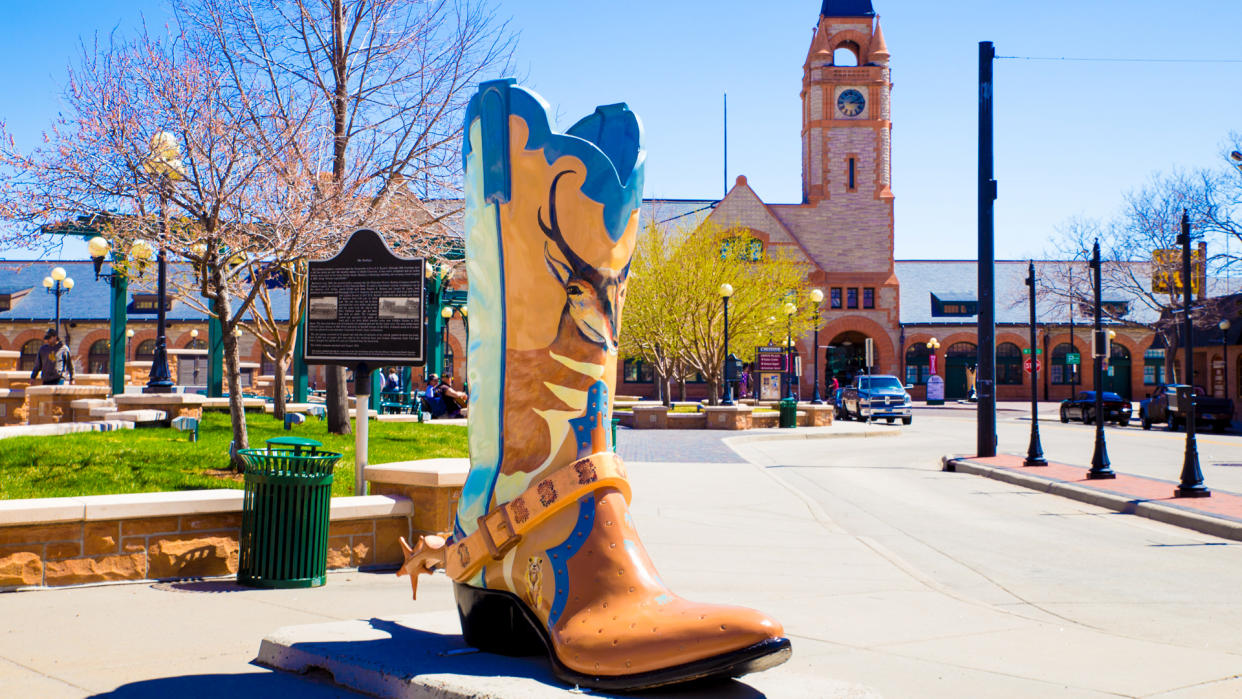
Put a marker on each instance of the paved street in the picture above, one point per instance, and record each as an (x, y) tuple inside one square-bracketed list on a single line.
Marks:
[(891, 577)]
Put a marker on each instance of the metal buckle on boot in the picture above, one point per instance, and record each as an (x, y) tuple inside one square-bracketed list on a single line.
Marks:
[(496, 525)]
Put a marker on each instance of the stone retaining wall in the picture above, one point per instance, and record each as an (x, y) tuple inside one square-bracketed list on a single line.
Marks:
[(52, 404), (68, 541)]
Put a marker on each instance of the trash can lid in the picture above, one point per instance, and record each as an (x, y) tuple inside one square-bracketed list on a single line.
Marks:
[(294, 442)]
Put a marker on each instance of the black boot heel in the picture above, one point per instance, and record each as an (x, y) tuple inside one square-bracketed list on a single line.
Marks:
[(496, 621)]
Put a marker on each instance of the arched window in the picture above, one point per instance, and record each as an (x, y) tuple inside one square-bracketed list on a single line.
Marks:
[(97, 357), (1063, 372), (196, 343), (846, 55), (918, 364), (267, 365), (30, 355), (145, 351), (1008, 364), (962, 350)]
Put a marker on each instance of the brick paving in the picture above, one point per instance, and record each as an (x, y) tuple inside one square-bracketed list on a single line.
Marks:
[(1136, 489), (688, 446)]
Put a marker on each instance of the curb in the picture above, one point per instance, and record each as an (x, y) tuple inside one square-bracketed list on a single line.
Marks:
[(793, 435), (1213, 525)]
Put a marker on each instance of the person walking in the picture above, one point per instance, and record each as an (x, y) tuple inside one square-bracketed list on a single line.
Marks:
[(54, 362)]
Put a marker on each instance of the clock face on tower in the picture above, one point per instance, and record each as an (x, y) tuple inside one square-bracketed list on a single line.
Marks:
[(851, 103)]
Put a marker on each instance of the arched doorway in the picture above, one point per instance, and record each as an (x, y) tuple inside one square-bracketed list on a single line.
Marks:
[(1117, 377), (959, 363), (845, 357)]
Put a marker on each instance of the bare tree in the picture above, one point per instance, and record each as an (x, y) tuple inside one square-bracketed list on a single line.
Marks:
[(153, 145), (388, 80), (1133, 269)]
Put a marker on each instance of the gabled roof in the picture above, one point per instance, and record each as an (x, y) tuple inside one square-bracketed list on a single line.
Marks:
[(847, 8), (89, 300)]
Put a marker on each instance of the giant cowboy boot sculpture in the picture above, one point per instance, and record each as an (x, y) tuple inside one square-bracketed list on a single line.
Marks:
[(544, 552)]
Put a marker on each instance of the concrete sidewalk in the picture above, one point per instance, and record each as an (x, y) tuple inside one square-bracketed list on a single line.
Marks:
[(1218, 515), (863, 620)]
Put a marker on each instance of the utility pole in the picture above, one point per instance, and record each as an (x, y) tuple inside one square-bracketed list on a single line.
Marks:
[(985, 379)]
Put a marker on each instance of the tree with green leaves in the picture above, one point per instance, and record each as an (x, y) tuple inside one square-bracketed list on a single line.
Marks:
[(675, 312)]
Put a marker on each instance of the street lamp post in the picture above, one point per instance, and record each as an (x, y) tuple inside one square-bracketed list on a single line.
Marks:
[(1099, 457), (1192, 477), (58, 284), (789, 310), (445, 313), (165, 165), (817, 297), (1034, 450), (129, 337), (726, 291), (1224, 326)]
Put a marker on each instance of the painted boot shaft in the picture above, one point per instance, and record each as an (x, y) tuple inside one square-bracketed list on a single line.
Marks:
[(544, 550)]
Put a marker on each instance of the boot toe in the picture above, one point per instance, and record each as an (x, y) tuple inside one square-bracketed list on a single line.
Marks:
[(658, 637)]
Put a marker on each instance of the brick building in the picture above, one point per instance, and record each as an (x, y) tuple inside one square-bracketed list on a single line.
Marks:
[(844, 227)]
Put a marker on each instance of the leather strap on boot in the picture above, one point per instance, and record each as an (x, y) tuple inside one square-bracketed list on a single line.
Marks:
[(502, 528)]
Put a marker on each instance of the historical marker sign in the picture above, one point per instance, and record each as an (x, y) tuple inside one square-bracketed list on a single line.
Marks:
[(365, 306)]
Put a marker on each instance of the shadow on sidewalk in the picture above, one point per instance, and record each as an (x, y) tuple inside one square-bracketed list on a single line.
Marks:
[(405, 652), (242, 686)]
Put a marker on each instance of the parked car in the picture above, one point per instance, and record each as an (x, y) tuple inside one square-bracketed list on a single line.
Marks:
[(1163, 405), (1083, 408), (877, 396)]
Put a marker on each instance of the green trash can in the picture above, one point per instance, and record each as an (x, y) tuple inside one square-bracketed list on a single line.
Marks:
[(789, 412), (284, 534)]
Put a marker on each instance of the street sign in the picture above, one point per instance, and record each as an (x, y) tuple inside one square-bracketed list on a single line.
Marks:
[(1073, 358), (1166, 271), (935, 390), (365, 306), (770, 359), (870, 352), (1026, 364)]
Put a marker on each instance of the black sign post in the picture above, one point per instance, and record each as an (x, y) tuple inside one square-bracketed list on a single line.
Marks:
[(365, 310)]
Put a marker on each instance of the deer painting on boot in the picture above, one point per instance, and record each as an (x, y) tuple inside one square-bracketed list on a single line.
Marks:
[(563, 407)]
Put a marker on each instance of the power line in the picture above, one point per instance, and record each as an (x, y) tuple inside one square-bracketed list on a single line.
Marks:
[(1119, 60)]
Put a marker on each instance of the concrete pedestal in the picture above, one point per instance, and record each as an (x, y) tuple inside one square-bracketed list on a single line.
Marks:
[(12, 407), (815, 415), (9, 360), (650, 417), (53, 404), (728, 417), (173, 405), (423, 655)]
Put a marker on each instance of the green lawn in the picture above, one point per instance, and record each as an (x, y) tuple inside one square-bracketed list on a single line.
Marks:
[(153, 460)]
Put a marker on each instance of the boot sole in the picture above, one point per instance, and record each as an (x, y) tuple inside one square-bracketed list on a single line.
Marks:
[(497, 621)]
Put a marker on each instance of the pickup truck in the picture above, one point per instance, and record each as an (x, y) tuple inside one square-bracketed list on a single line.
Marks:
[(874, 397), (1163, 405)]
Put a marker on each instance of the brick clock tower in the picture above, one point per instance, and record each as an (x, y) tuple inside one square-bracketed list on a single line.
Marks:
[(844, 224), (846, 108)]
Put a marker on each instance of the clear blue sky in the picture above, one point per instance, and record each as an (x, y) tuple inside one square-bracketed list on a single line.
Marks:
[(1071, 137)]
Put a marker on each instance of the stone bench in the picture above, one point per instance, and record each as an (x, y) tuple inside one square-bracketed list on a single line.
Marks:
[(140, 418), (433, 485), (144, 536), (221, 404), (82, 408), (170, 404), (51, 404)]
